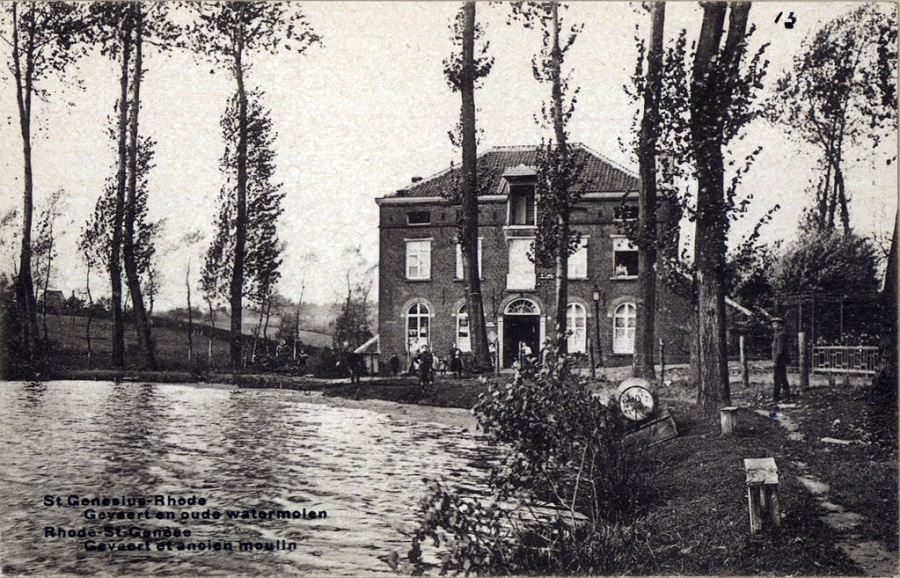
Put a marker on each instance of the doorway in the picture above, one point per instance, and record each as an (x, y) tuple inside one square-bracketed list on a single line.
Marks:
[(521, 325)]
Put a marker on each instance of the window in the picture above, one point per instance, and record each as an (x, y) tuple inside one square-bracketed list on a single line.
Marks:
[(624, 320), (460, 274), (521, 205), (418, 259), (419, 218), (578, 261), (576, 321), (417, 319), (521, 269), (625, 258), (521, 307), (626, 213), (462, 330)]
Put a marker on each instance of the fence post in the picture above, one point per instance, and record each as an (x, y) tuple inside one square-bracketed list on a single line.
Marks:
[(745, 375), (590, 348), (804, 364), (662, 362)]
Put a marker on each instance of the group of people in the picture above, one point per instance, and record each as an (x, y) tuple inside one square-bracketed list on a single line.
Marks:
[(424, 363)]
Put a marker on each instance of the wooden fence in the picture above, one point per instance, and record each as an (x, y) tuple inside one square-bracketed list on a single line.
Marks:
[(859, 359)]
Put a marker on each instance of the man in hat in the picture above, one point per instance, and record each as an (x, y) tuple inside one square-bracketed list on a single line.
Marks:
[(781, 359)]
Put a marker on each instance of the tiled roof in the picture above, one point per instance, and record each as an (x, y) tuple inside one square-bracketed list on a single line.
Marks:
[(601, 174)]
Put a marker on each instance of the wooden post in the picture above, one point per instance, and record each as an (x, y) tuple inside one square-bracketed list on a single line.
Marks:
[(593, 366), (662, 362), (745, 375), (728, 419), (762, 493), (804, 362)]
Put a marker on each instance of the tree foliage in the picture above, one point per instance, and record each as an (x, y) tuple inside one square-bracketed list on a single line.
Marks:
[(828, 261), (559, 448), (840, 93), (353, 315), (264, 197)]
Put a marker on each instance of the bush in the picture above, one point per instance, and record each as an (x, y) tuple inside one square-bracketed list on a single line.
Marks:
[(565, 496)]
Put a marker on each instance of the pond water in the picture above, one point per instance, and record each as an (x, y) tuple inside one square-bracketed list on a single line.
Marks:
[(266, 456)]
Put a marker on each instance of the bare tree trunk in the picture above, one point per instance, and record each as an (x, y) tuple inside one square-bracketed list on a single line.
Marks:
[(47, 280), (240, 237), (90, 319), (142, 323), (469, 232), (115, 261), (190, 331), (645, 332), (212, 327)]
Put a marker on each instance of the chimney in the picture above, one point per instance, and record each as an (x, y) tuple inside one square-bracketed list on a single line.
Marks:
[(416, 179)]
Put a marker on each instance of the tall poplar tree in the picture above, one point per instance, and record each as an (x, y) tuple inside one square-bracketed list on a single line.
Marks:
[(228, 33), (44, 40), (645, 332), (463, 71), (559, 186), (714, 79), (262, 249)]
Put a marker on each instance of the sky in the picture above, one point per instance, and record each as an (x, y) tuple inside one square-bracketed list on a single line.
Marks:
[(368, 109)]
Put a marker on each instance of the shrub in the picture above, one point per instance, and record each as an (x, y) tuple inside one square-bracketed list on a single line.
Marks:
[(565, 495)]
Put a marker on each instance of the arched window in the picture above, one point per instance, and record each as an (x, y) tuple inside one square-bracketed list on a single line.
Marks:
[(462, 329), (624, 320), (521, 307), (417, 319), (576, 322)]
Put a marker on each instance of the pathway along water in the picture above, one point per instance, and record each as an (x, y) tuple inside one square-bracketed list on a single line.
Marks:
[(273, 459)]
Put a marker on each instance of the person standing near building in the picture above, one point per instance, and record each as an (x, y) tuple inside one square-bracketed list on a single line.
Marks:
[(456, 365), (780, 359), (395, 364), (426, 367)]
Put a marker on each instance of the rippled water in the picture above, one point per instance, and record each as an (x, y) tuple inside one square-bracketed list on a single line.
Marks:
[(241, 450)]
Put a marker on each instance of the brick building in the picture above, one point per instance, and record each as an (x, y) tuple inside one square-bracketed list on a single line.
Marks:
[(421, 296)]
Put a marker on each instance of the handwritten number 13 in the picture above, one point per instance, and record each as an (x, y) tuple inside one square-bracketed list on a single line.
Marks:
[(789, 21)]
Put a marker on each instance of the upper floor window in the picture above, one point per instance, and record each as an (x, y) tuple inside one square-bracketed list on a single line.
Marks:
[(460, 274), (578, 261), (626, 213), (521, 205), (418, 218), (418, 259), (520, 276), (625, 258), (624, 322)]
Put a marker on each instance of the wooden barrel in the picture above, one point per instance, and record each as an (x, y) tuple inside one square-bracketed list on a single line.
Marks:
[(637, 399)]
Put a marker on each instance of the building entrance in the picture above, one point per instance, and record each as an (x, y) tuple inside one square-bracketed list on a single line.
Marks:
[(521, 326)]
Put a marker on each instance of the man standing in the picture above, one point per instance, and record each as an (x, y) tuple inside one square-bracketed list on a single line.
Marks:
[(781, 359)]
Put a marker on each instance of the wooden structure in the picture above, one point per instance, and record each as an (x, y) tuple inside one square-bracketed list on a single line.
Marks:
[(728, 418), (656, 430), (762, 493)]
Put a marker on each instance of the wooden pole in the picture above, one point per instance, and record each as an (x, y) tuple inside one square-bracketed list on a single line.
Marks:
[(662, 362), (745, 375), (804, 365), (590, 347)]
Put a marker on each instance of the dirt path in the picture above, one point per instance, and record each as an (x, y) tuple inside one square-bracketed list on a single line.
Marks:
[(872, 556)]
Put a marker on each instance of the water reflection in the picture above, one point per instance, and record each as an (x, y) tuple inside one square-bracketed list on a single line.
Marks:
[(243, 450)]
